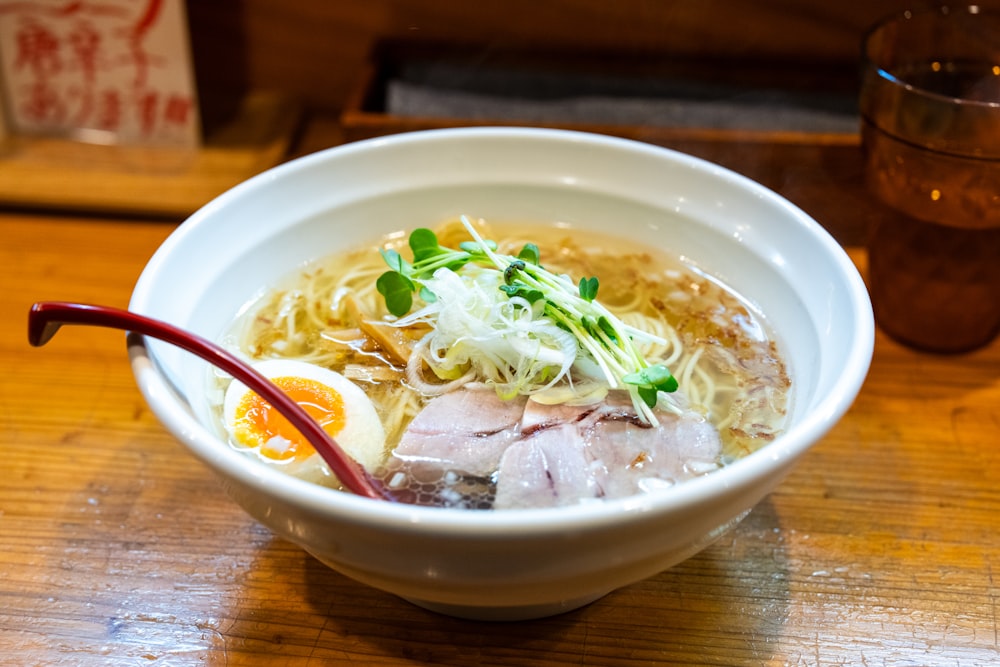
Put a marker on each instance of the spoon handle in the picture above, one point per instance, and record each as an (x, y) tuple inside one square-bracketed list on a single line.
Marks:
[(46, 317)]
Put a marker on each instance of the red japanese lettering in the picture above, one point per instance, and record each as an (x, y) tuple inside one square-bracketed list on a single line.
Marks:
[(85, 42), (178, 110), (148, 104), (42, 104), (109, 110), (37, 50)]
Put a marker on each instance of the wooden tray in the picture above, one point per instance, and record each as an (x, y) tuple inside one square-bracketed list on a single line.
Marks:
[(366, 113)]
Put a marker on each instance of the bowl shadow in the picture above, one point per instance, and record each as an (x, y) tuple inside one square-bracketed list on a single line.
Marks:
[(732, 596)]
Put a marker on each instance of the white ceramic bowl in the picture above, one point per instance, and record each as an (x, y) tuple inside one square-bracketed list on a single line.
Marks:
[(512, 564)]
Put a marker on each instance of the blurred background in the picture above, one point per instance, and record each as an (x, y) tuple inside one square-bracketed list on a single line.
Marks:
[(315, 50), (280, 78)]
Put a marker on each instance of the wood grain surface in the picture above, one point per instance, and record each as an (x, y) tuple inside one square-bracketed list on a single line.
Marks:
[(156, 181), (118, 548)]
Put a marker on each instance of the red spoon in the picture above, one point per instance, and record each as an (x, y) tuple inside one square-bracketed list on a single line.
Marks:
[(46, 317)]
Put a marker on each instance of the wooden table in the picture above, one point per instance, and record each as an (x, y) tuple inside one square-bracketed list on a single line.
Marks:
[(118, 548)]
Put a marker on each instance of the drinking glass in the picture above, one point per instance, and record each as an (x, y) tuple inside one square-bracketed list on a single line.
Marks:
[(930, 128)]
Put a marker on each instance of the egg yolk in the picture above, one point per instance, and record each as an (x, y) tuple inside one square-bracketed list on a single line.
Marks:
[(258, 424)]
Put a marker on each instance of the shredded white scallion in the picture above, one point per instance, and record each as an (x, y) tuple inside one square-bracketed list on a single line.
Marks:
[(508, 341)]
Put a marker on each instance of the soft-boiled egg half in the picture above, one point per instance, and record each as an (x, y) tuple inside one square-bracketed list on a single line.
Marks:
[(337, 404)]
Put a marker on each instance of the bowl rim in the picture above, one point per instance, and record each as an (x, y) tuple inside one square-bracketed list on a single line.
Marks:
[(772, 460)]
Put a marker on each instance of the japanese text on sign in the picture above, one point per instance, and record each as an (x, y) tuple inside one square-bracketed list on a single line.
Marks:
[(108, 70)]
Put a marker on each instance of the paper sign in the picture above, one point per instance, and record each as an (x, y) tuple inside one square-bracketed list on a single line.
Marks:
[(109, 71)]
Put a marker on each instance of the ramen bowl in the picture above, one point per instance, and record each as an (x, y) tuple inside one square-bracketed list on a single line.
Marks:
[(523, 563)]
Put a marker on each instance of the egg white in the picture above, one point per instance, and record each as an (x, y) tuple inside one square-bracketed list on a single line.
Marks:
[(362, 437)]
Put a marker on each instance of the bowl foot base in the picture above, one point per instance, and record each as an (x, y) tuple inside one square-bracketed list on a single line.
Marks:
[(515, 613)]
